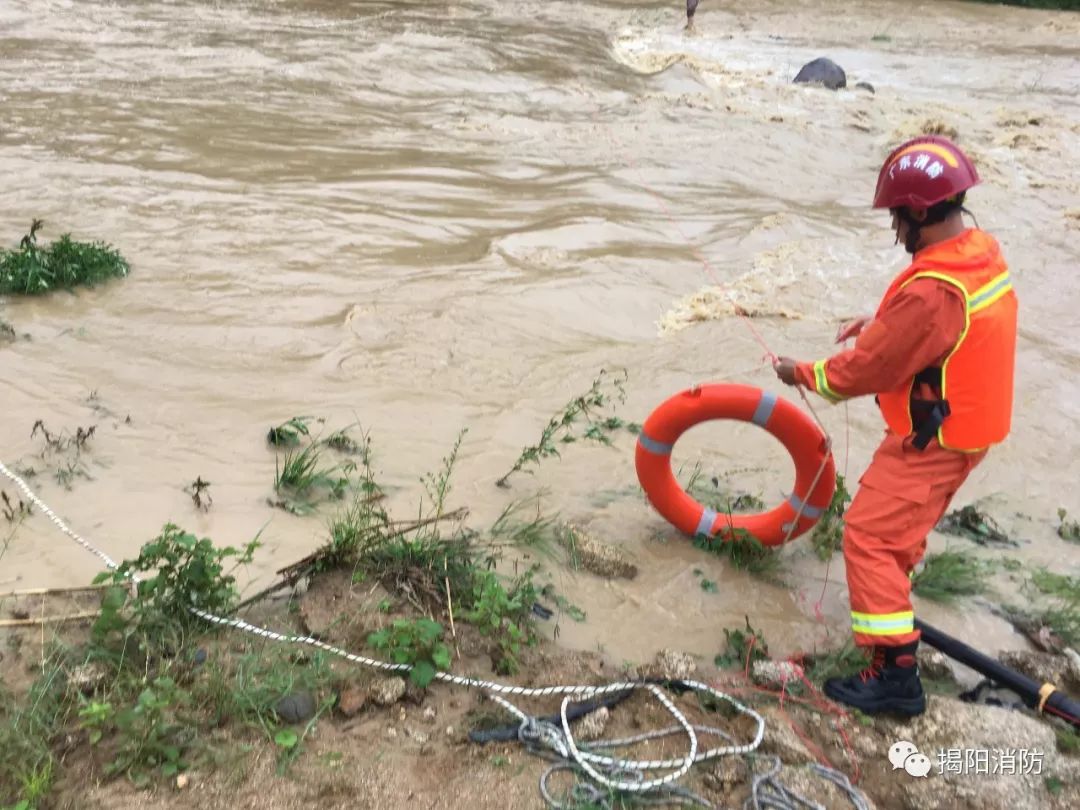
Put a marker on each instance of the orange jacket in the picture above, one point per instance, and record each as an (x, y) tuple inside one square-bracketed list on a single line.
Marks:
[(953, 308)]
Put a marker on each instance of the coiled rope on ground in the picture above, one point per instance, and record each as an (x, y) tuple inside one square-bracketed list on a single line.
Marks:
[(610, 775)]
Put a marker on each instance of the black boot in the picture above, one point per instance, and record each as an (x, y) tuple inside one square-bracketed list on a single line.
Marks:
[(890, 684)]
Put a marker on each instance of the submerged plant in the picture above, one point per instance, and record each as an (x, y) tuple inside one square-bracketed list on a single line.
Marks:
[(743, 647), (950, 574), (65, 264), (975, 525), (743, 550), (1068, 529), (560, 427)]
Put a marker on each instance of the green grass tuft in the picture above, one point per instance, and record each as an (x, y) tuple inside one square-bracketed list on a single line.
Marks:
[(949, 575), (34, 269)]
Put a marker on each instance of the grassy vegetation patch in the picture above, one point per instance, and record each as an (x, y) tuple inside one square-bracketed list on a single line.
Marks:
[(949, 575), (35, 269)]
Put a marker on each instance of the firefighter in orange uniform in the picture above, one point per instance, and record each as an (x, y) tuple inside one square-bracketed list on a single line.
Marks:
[(939, 356)]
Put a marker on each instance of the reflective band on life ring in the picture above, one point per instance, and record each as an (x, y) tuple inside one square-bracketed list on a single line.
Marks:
[(798, 433)]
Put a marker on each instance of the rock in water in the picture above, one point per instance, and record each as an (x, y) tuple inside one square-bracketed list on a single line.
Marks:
[(822, 71)]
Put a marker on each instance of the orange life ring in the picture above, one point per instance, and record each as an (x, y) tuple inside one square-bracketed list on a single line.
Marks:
[(795, 430)]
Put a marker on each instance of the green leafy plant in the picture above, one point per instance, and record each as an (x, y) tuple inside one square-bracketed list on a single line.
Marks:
[(437, 485), (564, 604), (151, 736), (286, 738), (188, 573), (741, 646), (560, 426), (1068, 741), (743, 550), (416, 642), (34, 269), (504, 615), (828, 534), (288, 433), (97, 717)]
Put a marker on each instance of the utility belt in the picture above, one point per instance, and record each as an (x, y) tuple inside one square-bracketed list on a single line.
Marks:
[(927, 415)]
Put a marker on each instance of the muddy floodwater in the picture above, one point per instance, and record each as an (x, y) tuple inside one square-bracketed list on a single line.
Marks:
[(424, 217)]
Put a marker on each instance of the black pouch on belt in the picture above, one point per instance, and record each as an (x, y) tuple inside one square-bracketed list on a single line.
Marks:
[(928, 415)]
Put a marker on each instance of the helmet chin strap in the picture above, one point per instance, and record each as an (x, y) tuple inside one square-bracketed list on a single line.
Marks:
[(911, 243), (933, 216)]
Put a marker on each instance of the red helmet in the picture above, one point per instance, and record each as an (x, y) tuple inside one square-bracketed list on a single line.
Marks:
[(922, 172)]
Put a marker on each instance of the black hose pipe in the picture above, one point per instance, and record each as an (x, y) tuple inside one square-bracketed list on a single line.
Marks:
[(573, 712), (1057, 704), (576, 710)]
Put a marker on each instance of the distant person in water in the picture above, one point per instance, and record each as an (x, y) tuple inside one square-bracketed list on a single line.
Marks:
[(939, 355), (691, 7)]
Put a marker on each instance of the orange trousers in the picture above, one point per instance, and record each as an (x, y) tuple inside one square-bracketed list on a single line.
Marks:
[(901, 497)]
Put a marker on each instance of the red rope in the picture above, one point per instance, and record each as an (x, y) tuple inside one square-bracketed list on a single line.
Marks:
[(816, 701)]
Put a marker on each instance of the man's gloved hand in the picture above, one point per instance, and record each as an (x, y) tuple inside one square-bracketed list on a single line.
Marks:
[(852, 328), (785, 369)]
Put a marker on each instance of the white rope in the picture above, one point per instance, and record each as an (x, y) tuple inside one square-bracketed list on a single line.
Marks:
[(560, 741), (34, 499), (565, 747)]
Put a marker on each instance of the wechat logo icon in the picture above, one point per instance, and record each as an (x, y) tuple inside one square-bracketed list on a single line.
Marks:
[(905, 755)]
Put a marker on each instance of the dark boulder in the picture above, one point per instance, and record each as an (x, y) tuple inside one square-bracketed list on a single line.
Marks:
[(822, 71)]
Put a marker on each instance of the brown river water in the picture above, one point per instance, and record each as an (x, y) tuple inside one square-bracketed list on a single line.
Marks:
[(430, 216)]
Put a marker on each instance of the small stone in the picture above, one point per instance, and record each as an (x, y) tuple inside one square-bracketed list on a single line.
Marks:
[(781, 739), (87, 677), (1074, 666), (728, 773), (592, 726), (391, 731), (450, 731), (181, 781), (672, 666), (594, 556), (429, 714), (352, 700), (776, 674), (298, 707), (934, 664), (388, 691)]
